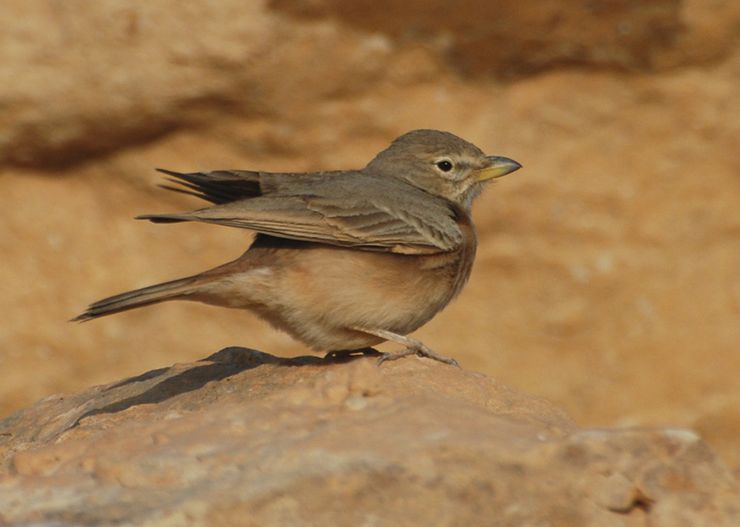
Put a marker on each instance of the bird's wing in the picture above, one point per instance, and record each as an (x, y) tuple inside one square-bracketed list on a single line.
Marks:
[(224, 186), (348, 209)]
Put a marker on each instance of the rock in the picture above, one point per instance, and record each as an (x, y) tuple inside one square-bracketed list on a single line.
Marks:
[(608, 272), (508, 39), (89, 79), (92, 78), (246, 438)]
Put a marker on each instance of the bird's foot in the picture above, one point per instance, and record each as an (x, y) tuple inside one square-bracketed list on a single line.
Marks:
[(413, 347), (421, 351), (342, 355)]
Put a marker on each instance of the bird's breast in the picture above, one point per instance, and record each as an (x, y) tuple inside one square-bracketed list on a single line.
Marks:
[(341, 287), (318, 292)]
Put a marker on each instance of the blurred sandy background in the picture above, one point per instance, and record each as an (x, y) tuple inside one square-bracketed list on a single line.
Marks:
[(608, 274)]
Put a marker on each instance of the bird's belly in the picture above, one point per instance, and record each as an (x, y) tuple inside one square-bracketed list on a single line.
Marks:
[(319, 295)]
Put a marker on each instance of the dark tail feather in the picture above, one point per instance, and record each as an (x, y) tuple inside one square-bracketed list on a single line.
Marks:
[(138, 298), (218, 186)]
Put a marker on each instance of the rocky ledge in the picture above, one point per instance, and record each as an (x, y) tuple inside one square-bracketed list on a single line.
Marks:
[(246, 438)]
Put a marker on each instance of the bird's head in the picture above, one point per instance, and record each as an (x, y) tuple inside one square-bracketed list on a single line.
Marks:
[(442, 164)]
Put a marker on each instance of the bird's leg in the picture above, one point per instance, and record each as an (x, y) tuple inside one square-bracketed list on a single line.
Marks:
[(346, 354), (413, 347)]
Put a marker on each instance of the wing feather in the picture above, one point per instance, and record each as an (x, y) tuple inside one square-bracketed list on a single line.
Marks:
[(346, 209)]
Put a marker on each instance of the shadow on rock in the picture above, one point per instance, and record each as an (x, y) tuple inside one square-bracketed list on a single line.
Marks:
[(64, 412), (164, 383)]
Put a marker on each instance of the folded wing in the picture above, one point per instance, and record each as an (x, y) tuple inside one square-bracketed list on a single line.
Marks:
[(351, 209)]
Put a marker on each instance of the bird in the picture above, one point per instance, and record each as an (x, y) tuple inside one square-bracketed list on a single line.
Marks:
[(342, 260)]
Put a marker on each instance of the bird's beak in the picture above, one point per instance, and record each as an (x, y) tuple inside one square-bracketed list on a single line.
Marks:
[(497, 166)]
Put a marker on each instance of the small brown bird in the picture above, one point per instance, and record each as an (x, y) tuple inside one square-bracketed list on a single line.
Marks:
[(342, 260)]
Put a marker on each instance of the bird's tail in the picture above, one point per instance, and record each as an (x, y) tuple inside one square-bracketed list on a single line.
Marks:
[(140, 297)]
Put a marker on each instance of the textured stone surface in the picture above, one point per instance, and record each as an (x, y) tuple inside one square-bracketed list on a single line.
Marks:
[(245, 438), (608, 274), (504, 38), (109, 75)]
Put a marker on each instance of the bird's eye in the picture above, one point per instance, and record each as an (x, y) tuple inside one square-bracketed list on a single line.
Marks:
[(444, 165)]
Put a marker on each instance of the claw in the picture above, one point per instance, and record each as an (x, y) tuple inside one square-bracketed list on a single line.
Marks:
[(420, 352), (413, 347)]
